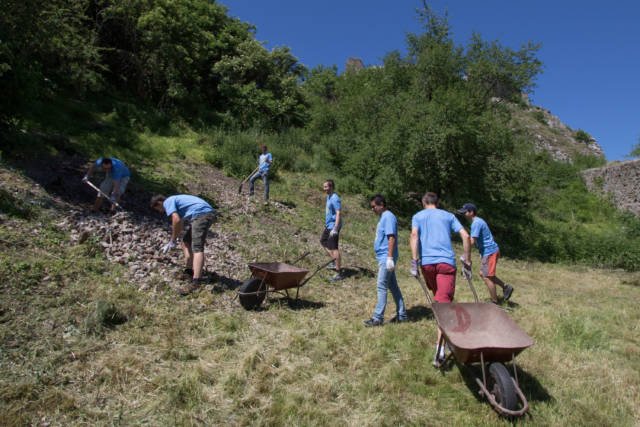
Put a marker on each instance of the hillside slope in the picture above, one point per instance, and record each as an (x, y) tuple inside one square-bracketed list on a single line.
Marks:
[(88, 340)]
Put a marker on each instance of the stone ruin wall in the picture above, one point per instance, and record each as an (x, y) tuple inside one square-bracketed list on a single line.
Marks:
[(618, 180)]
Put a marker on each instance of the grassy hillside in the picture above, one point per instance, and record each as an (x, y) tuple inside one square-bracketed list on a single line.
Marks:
[(81, 344)]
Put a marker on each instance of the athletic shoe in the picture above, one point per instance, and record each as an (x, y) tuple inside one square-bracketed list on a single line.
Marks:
[(331, 265), (396, 319), (373, 322), (337, 278), (507, 291)]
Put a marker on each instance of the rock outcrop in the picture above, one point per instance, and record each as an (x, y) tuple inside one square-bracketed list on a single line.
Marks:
[(618, 180)]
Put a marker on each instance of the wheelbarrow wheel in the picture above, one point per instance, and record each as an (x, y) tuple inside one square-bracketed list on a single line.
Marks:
[(502, 386), (252, 293)]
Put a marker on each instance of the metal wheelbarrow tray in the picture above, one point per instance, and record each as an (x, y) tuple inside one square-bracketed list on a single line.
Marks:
[(474, 329)]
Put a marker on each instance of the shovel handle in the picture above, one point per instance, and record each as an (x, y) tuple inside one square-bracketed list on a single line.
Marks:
[(90, 184)]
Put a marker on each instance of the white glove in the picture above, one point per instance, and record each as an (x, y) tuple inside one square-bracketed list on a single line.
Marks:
[(333, 232), (414, 268), (166, 248), (85, 178), (390, 264)]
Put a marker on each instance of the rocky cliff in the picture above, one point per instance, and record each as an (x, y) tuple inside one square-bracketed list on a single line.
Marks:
[(618, 180), (547, 132)]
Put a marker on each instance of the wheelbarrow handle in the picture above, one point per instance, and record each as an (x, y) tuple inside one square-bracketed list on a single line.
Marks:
[(424, 288), (304, 255), (320, 267)]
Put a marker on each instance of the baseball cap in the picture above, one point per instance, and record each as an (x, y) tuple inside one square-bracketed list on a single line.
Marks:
[(467, 207)]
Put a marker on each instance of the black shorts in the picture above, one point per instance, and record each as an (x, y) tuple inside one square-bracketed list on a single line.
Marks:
[(329, 242)]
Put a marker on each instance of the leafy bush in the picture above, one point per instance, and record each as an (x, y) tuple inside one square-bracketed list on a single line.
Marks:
[(582, 136)]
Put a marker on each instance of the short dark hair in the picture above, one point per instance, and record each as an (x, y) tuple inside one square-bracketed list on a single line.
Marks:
[(158, 198), (107, 161), (331, 183), (378, 200), (430, 198), (263, 147)]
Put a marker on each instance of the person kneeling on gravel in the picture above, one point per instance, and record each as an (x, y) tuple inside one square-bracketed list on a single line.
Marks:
[(183, 208)]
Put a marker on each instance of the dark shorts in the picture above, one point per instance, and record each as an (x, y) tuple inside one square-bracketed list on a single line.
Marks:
[(196, 234), (329, 242), (441, 279)]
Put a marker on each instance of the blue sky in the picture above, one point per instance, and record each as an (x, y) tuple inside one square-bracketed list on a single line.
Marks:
[(590, 49)]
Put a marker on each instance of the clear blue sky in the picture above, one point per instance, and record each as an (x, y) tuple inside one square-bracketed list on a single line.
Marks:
[(590, 49)]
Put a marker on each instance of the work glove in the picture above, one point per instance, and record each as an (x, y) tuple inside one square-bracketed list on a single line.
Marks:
[(85, 179), (390, 264), (466, 269), (166, 248), (333, 232), (414, 268), (112, 199)]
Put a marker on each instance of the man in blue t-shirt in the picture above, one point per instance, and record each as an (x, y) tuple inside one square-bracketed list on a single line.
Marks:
[(489, 252), (264, 163), (330, 238), (200, 215), (432, 252), (115, 181), (385, 246)]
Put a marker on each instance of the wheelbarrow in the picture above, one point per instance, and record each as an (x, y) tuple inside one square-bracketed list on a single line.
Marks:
[(270, 277), (483, 333)]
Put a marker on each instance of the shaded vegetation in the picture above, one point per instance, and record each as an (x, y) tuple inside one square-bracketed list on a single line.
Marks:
[(152, 81)]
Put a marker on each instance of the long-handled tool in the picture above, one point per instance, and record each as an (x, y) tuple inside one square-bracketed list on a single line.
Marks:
[(106, 196), (247, 179)]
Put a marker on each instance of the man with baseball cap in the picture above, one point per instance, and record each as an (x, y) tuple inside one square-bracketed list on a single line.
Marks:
[(489, 252)]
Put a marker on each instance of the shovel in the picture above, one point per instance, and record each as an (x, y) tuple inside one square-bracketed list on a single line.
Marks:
[(247, 179), (90, 184)]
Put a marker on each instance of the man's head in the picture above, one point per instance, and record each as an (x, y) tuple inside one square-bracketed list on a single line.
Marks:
[(328, 186), (263, 148), (469, 210), (430, 199), (107, 164), (378, 204), (156, 203)]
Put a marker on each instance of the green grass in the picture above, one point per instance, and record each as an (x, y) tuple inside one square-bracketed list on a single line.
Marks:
[(205, 360)]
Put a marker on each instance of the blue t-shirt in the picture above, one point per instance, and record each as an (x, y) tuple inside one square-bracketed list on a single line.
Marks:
[(333, 206), (187, 207), (434, 233), (118, 169), (264, 162), (484, 239), (387, 226)]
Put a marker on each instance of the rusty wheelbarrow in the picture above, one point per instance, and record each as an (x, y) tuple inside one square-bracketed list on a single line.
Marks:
[(484, 333), (269, 277)]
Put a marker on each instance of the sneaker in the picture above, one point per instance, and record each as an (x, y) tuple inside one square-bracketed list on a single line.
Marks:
[(189, 288), (507, 291), (187, 273), (331, 265), (337, 278), (373, 322), (396, 319)]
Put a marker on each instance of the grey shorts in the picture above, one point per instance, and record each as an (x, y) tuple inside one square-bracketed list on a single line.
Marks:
[(107, 186), (196, 234)]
